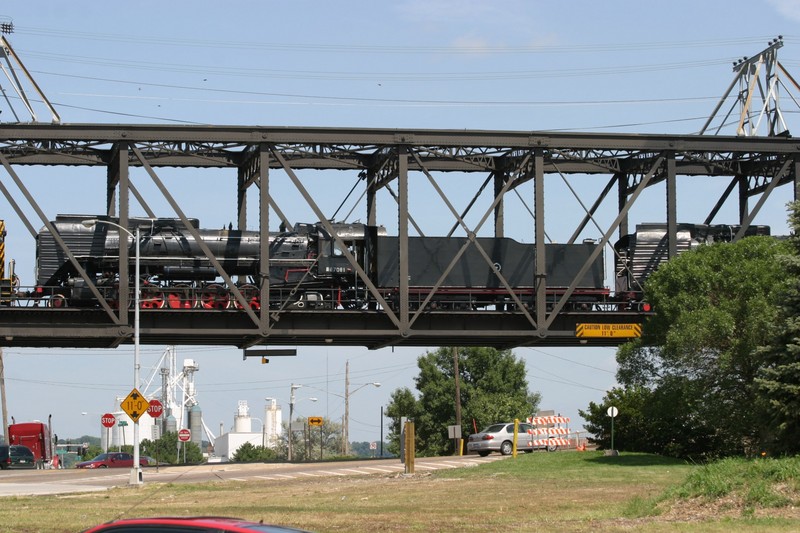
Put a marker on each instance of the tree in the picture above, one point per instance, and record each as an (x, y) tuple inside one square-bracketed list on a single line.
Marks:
[(248, 453), (167, 449), (640, 424), (402, 403), (698, 355), (779, 379), (493, 388), (93, 450), (313, 443)]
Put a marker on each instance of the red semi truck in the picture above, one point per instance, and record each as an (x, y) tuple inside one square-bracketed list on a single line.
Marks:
[(36, 436)]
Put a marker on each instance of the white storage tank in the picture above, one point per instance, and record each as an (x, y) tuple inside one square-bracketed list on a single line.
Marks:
[(242, 422)]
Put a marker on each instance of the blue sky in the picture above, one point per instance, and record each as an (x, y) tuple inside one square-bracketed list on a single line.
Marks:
[(619, 66)]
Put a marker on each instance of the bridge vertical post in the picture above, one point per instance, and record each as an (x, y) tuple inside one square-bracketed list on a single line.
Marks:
[(263, 228), (796, 177), (123, 176), (622, 199), (402, 236), (540, 269), (500, 177), (672, 207)]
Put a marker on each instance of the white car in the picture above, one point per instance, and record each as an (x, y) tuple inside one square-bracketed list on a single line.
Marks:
[(500, 438)]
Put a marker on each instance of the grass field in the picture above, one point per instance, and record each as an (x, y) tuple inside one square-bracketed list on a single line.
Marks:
[(564, 491)]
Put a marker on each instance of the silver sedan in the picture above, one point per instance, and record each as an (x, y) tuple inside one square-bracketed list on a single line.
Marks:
[(500, 438)]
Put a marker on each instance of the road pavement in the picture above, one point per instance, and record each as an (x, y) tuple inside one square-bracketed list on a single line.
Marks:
[(43, 482)]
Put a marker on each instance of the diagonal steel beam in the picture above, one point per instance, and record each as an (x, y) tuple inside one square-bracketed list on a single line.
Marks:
[(748, 219), (471, 240), (606, 237), (329, 228), (191, 229), (57, 237)]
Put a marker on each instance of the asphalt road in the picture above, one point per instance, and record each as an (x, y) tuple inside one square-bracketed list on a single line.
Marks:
[(37, 482)]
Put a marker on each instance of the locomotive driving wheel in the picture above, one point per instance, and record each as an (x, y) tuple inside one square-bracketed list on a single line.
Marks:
[(251, 295), (152, 298), (180, 296), (214, 296)]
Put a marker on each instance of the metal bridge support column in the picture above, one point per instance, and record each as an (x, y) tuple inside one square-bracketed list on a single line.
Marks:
[(263, 228), (112, 181), (622, 199), (672, 207), (540, 272), (241, 198), (743, 188), (402, 236), (796, 177), (123, 175), (372, 211), (499, 211)]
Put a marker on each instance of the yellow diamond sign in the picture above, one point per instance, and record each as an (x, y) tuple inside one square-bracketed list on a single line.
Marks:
[(135, 405)]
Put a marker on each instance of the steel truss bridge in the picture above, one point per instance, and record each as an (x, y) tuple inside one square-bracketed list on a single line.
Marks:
[(261, 159)]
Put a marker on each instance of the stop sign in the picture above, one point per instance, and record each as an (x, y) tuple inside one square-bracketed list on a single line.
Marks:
[(155, 408), (184, 435), (108, 420)]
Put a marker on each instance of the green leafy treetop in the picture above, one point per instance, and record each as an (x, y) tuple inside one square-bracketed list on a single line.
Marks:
[(690, 379), (493, 388)]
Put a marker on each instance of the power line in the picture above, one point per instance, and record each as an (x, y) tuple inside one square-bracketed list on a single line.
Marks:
[(376, 49), (571, 361), (394, 76), (360, 99)]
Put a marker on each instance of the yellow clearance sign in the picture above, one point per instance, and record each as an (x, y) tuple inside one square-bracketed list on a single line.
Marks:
[(608, 330), (135, 405)]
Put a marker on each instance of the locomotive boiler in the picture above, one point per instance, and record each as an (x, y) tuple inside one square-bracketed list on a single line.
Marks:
[(307, 267)]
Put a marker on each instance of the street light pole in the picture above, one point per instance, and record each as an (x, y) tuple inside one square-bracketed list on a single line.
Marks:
[(347, 394), (136, 469)]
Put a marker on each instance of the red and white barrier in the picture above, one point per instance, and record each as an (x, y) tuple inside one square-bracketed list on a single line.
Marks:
[(552, 442), (549, 431), (547, 420)]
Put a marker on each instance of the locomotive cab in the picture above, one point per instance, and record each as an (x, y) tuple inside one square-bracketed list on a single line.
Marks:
[(333, 261)]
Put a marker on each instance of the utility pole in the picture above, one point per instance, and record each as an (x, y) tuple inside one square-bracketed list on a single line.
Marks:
[(3, 395), (458, 393), (346, 428), (458, 386), (347, 393)]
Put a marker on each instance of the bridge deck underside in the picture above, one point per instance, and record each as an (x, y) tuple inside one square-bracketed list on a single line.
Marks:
[(90, 328)]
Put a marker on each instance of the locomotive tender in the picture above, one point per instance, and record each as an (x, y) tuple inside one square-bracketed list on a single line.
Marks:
[(307, 269)]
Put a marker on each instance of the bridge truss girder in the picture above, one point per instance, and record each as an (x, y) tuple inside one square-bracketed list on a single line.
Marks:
[(383, 160)]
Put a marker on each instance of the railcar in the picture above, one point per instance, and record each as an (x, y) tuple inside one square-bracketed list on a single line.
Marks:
[(307, 268)]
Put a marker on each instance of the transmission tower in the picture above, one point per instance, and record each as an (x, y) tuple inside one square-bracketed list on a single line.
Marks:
[(759, 79), (10, 64)]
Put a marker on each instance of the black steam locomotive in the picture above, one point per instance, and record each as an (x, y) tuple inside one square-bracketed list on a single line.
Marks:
[(307, 268)]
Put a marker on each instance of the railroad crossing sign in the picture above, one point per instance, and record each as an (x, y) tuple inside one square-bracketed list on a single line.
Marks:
[(315, 421), (108, 420), (155, 408), (134, 405), (184, 435)]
